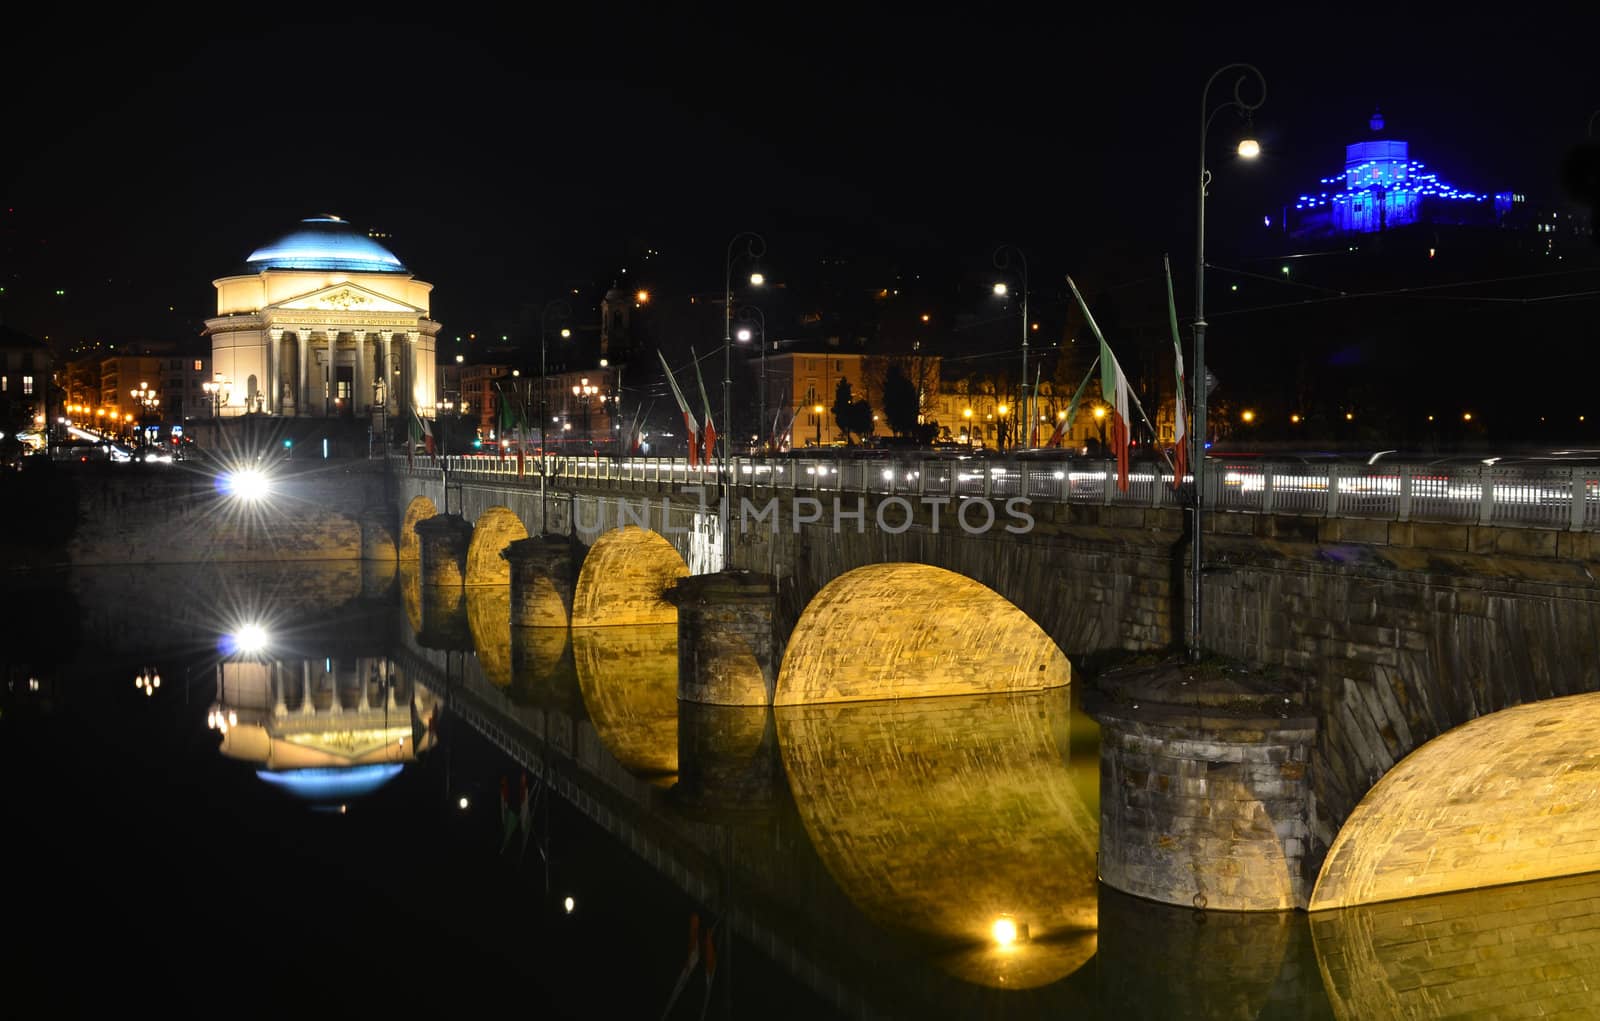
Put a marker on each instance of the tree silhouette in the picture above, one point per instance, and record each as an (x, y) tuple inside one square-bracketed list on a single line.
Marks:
[(899, 402), (852, 416)]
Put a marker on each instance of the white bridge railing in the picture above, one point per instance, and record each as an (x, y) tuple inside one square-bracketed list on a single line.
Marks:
[(1555, 497)]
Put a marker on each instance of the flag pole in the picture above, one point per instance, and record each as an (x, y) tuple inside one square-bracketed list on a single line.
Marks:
[(1095, 328)]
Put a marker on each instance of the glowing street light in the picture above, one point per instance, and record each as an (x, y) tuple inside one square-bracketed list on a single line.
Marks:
[(147, 680), (1249, 148), (1248, 416)]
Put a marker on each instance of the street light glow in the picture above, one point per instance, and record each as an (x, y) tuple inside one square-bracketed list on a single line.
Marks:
[(756, 279), (1249, 148), (1004, 931), (250, 639), (744, 333), (246, 484), (1248, 416), (1000, 289)]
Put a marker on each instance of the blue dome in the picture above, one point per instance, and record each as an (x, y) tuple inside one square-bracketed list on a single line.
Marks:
[(326, 242)]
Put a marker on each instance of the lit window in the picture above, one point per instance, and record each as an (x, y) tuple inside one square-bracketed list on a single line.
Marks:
[(198, 365), (27, 385)]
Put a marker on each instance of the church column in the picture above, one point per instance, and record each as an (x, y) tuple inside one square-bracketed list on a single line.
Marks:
[(386, 370), (360, 393), (330, 335), (408, 371), (274, 388), (302, 338)]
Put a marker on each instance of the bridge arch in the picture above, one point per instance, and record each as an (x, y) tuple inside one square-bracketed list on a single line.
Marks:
[(904, 630), (623, 579), (495, 529), (1508, 797), (419, 509)]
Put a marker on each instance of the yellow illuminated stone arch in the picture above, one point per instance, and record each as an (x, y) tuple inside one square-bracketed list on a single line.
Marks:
[(495, 529), (910, 630), (1506, 798), (623, 578), (419, 509), (957, 820)]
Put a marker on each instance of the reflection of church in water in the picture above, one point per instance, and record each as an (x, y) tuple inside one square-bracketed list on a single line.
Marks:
[(324, 322), (322, 729)]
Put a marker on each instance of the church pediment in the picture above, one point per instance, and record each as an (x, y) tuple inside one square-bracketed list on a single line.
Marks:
[(346, 298)]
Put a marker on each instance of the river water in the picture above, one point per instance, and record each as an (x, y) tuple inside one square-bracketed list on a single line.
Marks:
[(348, 793)]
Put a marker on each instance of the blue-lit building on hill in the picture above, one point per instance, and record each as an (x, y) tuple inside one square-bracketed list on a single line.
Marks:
[(1383, 188)]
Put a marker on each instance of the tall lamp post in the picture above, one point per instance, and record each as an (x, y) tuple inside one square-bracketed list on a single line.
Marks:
[(561, 308), (1248, 148), (755, 246), (1002, 262), (744, 334)]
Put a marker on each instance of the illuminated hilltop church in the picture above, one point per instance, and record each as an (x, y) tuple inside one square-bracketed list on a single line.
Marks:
[(324, 322), (1383, 188)]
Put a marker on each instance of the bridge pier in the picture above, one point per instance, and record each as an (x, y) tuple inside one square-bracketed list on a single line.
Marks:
[(726, 651), (377, 536), (444, 539), (1204, 793), (541, 581)]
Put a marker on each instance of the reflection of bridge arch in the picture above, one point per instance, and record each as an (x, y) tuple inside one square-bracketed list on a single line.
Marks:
[(908, 630), (495, 529), (944, 816), (419, 509), (489, 620), (629, 680), (623, 578), (1507, 797)]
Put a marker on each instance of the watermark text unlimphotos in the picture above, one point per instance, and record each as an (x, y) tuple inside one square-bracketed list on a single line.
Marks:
[(975, 515)]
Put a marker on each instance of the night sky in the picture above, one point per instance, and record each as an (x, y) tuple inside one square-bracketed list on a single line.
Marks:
[(510, 159)]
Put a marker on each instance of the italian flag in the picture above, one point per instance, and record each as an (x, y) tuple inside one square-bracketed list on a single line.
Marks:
[(689, 423), (710, 455), (1180, 414), (1113, 388)]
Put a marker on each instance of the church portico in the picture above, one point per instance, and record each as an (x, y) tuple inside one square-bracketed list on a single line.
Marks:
[(326, 323)]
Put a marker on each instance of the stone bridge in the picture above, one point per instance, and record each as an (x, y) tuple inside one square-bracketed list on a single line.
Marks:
[(1414, 722)]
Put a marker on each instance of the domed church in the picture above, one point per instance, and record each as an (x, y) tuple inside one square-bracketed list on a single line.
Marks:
[(324, 322)]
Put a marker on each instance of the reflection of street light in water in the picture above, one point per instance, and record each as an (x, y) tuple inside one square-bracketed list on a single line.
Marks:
[(1007, 932)]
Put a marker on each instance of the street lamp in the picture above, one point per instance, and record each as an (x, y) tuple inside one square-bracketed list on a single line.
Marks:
[(148, 402), (586, 391), (817, 411), (744, 335), (1002, 262), (147, 680), (755, 246), (563, 309), (1248, 148)]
